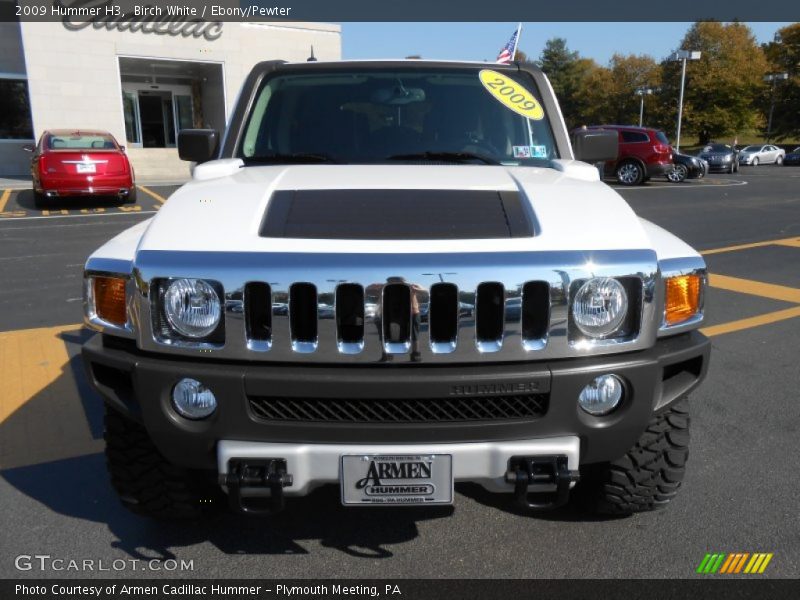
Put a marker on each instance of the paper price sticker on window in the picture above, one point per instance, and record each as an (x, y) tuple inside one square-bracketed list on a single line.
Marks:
[(511, 94)]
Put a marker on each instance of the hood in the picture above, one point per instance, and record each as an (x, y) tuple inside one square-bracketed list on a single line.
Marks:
[(227, 214)]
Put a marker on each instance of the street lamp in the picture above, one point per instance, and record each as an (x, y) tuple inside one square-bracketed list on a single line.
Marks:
[(642, 92), (773, 78), (682, 56)]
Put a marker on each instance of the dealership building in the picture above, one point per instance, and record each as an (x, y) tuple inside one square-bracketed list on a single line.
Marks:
[(143, 82)]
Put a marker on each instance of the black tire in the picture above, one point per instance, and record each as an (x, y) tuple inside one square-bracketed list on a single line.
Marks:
[(630, 172), (678, 173), (40, 201), (131, 197), (146, 483), (649, 475)]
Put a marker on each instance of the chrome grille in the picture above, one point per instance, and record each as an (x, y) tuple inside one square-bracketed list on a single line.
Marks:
[(399, 410), (398, 308)]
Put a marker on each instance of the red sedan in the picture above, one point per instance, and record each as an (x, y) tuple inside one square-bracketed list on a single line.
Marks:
[(80, 163)]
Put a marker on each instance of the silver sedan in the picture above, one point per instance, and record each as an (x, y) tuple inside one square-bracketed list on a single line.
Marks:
[(762, 155)]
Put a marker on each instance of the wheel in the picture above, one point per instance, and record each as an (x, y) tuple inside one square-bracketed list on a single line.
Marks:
[(755, 161), (730, 169), (779, 160), (677, 173), (131, 197), (649, 475), (40, 201), (630, 173), (146, 483)]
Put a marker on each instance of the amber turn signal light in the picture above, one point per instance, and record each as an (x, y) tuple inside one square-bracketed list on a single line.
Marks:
[(109, 299), (682, 298)]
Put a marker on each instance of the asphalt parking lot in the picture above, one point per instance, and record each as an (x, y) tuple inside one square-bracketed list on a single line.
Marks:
[(740, 494)]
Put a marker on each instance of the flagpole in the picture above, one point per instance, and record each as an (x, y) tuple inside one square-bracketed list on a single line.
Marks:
[(516, 43)]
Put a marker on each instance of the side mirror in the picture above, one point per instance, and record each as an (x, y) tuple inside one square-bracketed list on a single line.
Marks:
[(28, 148), (122, 149), (595, 145), (198, 145)]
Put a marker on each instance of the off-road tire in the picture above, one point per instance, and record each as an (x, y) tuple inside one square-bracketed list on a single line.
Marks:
[(146, 483), (649, 475)]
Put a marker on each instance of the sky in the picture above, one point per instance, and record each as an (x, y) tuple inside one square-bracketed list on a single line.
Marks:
[(483, 41)]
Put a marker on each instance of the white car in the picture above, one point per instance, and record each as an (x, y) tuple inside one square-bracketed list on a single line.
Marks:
[(392, 276), (766, 154)]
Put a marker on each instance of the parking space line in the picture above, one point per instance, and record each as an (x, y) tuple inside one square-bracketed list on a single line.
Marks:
[(781, 242), (4, 199), (750, 322), (792, 243), (755, 288), (151, 193)]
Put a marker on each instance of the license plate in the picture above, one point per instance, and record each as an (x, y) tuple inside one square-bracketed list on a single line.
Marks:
[(86, 168), (397, 479)]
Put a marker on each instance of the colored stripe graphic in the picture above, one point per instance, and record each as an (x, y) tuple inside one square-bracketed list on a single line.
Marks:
[(734, 563)]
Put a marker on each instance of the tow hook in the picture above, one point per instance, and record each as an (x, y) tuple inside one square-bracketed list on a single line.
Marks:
[(524, 471), (249, 475)]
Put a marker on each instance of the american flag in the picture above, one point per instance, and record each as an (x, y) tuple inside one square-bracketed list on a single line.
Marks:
[(507, 53)]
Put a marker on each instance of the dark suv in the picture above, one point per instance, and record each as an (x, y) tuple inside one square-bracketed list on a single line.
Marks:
[(643, 153)]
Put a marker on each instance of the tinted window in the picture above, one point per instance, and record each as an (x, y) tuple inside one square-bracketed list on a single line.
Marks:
[(752, 148), (634, 136), (370, 115), (81, 141), (661, 137), (15, 110), (717, 148)]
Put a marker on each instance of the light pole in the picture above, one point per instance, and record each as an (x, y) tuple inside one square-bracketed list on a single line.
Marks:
[(642, 92), (682, 56), (773, 78)]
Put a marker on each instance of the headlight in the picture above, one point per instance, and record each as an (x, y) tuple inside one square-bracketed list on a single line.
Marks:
[(192, 307), (726, 158), (600, 307)]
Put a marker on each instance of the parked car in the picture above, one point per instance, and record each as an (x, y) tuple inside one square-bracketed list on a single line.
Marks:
[(793, 158), (762, 155), (69, 163), (643, 153), (515, 325), (720, 157), (687, 167)]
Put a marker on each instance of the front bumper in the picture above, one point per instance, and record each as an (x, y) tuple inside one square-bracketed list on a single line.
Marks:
[(140, 385)]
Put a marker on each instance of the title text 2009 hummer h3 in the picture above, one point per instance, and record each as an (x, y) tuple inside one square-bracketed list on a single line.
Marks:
[(393, 276)]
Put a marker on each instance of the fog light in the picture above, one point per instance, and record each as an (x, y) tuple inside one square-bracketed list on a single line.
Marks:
[(193, 400), (602, 395)]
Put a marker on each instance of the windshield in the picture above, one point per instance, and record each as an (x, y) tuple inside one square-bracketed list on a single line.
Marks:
[(81, 141), (751, 149), (478, 116), (717, 148)]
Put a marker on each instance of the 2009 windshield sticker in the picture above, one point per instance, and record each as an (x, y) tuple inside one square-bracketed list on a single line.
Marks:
[(511, 94)]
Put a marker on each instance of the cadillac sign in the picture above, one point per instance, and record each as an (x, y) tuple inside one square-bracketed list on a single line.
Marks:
[(174, 21)]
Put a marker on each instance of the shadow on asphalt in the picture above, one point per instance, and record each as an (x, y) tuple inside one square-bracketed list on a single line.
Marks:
[(24, 198)]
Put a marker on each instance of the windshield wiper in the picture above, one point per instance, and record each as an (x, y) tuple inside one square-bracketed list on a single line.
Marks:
[(294, 157), (445, 156)]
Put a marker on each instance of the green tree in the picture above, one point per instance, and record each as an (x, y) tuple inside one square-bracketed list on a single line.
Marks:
[(567, 73), (723, 87), (784, 57)]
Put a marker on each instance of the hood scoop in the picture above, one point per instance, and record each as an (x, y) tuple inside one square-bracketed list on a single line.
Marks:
[(396, 214)]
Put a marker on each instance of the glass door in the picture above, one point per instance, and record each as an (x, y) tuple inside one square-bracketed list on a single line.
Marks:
[(184, 113), (133, 124)]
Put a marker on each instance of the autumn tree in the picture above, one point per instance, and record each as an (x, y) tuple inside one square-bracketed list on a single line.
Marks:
[(784, 57), (724, 86)]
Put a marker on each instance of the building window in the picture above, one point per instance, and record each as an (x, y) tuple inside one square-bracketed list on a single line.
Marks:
[(15, 110)]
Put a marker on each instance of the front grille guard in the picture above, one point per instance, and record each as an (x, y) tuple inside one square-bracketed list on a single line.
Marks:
[(503, 277)]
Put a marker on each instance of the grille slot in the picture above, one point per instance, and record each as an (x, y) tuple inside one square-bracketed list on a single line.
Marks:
[(490, 316), (535, 314), (350, 318), (400, 410), (443, 317), (303, 317), (258, 315), (396, 317)]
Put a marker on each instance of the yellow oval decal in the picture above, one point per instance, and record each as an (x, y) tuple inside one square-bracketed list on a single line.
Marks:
[(511, 94)]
